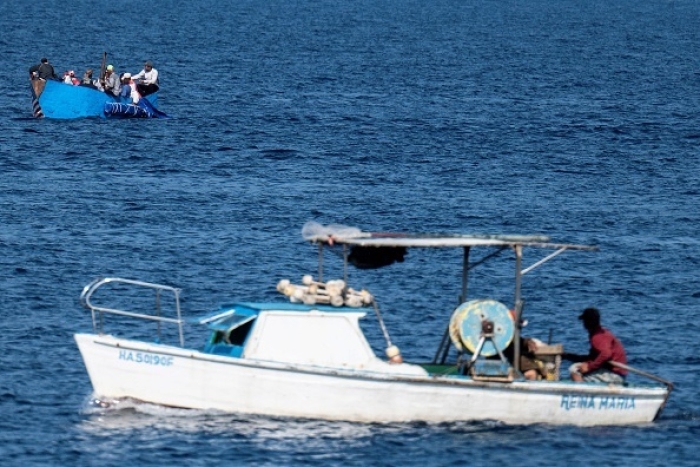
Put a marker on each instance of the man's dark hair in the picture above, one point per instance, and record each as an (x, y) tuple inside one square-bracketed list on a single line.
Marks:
[(590, 317)]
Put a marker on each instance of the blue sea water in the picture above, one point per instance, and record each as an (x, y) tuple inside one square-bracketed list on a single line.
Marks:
[(578, 119)]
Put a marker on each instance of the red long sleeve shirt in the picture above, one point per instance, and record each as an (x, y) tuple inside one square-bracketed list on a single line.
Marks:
[(605, 347)]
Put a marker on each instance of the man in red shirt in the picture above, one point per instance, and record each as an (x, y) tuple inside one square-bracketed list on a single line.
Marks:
[(605, 347)]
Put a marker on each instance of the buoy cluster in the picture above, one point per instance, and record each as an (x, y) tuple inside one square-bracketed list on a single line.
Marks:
[(333, 292)]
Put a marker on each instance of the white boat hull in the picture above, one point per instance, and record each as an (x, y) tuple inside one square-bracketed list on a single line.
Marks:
[(173, 376)]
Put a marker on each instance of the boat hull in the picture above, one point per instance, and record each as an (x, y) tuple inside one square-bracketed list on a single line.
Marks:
[(54, 99), (173, 376)]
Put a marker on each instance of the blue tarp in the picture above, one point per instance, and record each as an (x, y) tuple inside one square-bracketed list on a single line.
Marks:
[(144, 109)]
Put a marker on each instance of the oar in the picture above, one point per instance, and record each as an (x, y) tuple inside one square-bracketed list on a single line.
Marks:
[(642, 373), (103, 67), (668, 384)]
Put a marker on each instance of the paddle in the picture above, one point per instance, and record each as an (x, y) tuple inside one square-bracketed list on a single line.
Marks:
[(642, 373), (103, 67), (668, 384)]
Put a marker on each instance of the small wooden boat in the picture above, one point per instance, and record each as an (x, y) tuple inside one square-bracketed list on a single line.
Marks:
[(308, 357), (55, 99)]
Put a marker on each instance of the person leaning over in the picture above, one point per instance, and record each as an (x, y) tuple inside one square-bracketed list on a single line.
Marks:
[(147, 79), (44, 70), (605, 347)]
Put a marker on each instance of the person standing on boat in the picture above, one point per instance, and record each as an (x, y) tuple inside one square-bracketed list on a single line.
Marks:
[(147, 79), (44, 70), (605, 347), (111, 84)]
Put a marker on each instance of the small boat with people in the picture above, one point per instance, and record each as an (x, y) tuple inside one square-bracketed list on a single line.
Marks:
[(70, 98), (307, 355)]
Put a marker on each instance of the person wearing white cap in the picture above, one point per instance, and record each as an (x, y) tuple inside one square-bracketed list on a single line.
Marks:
[(129, 89), (111, 83), (147, 79)]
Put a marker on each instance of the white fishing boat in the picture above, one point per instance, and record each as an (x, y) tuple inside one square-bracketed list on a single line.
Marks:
[(307, 356)]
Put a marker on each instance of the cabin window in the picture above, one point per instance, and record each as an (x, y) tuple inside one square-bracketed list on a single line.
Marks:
[(217, 337), (237, 335)]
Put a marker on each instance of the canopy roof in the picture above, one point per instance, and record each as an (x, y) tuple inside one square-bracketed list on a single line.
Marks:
[(335, 234)]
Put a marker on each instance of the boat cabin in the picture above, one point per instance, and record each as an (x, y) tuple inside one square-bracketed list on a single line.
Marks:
[(294, 333)]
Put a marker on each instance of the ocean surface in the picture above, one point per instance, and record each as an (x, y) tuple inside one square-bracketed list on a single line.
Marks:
[(571, 118)]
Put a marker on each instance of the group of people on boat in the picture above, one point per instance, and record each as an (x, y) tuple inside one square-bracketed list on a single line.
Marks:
[(139, 85), (595, 366)]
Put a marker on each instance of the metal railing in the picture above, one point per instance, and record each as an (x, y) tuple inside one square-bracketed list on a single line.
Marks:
[(99, 311)]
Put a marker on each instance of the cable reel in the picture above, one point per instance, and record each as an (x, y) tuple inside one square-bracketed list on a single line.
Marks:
[(482, 325)]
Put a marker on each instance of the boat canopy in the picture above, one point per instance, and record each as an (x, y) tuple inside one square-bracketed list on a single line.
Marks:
[(371, 250), (341, 235)]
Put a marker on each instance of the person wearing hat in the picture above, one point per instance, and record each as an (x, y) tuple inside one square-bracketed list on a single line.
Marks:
[(605, 347), (111, 83), (147, 79), (129, 90), (44, 70)]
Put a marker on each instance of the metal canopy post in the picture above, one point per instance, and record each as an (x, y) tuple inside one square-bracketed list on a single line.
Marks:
[(444, 347), (465, 275), (518, 307), (345, 263)]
